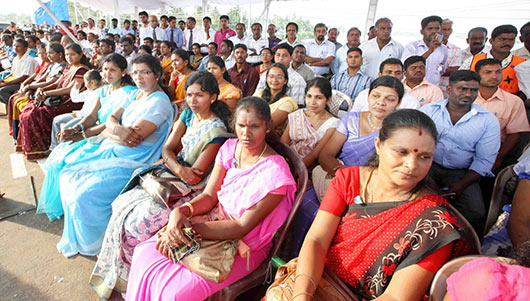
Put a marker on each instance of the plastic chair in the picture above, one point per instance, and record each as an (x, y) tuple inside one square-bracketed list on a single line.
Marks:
[(258, 276), (439, 283), (498, 199), (338, 99)]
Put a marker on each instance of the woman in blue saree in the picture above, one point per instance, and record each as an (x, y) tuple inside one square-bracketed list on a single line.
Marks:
[(134, 137), (74, 145)]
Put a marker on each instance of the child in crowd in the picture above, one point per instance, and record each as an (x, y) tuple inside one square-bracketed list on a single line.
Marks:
[(93, 81)]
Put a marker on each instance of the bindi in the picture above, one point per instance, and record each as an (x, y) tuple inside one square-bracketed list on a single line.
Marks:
[(415, 150), (248, 110), (420, 132)]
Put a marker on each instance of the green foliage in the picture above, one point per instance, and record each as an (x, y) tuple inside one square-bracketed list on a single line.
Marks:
[(20, 19)]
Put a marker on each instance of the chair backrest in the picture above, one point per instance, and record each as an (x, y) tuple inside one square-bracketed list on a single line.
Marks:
[(299, 172), (472, 236), (497, 197), (337, 99), (439, 283)]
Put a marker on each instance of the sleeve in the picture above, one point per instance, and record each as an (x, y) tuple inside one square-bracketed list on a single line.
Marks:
[(487, 148), (341, 191), (288, 105), (518, 119), (523, 77), (159, 111), (357, 103), (226, 154), (331, 50), (466, 64), (434, 262), (252, 82), (456, 60), (343, 126), (261, 83), (333, 82), (186, 117), (408, 51), (30, 67)]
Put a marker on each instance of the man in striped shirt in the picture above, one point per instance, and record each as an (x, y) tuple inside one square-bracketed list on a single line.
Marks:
[(352, 81)]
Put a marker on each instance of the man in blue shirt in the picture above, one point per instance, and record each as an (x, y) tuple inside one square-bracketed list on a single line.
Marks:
[(352, 80), (174, 34), (468, 142), (212, 51)]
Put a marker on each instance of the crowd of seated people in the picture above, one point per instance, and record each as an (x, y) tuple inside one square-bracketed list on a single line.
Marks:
[(122, 116)]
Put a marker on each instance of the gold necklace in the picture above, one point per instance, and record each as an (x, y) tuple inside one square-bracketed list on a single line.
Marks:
[(241, 150), (412, 194)]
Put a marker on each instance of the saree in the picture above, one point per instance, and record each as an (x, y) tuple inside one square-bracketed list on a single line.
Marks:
[(375, 240), (89, 185), (229, 92), (40, 74), (136, 217), (167, 69), (34, 136), (304, 137), (180, 90), (154, 276), (70, 152)]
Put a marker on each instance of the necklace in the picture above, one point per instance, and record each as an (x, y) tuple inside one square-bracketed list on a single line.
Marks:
[(199, 119), (368, 198), (259, 158), (371, 123)]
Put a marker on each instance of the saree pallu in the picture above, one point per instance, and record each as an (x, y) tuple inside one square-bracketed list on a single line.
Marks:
[(40, 74), (36, 122), (136, 217), (70, 152), (88, 186), (374, 241), (167, 69), (180, 90), (155, 277), (229, 92)]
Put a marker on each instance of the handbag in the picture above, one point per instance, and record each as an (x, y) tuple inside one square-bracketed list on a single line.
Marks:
[(210, 259), (330, 286), (164, 187)]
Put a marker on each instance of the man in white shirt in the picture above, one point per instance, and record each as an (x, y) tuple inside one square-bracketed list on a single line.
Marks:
[(239, 38), (127, 50), (389, 67), (291, 29), (126, 28), (155, 32), (383, 47), (23, 66), (476, 38), (339, 61), (144, 25), (209, 33), (114, 29), (320, 52), (454, 58), (85, 44), (226, 53), (255, 44), (296, 84), (192, 34), (92, 27), (524, 51)]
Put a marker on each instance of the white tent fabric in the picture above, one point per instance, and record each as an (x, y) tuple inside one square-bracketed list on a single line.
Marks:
[(130, 6)]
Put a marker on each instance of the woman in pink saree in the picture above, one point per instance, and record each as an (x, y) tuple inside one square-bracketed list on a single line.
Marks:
[(252, 184)]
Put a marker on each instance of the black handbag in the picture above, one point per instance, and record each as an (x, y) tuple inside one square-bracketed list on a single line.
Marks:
[(52, 101)]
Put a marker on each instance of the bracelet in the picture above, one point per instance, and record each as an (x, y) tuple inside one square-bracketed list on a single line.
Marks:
[(83, 133), (187, 204), (302, 294), (337, 167), (310, 279)]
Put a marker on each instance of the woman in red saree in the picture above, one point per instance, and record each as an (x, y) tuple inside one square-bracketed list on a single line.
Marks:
[(378, 228), (36, 118)]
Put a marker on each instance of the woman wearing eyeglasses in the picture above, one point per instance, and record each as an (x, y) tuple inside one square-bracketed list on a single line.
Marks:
[(275, 93), (134, 136)]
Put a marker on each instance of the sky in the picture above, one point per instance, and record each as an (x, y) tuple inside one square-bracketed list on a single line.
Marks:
[(405, 14)]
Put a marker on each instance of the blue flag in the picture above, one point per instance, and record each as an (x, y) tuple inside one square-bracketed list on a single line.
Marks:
[(58, 7)]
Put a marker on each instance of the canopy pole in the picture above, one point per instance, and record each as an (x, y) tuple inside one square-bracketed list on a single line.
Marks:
[(66, 30), (204, 8), (116, 11), (76, 14), (370, 17)]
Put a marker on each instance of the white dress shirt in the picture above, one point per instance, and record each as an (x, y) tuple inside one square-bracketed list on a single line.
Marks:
[(160, 34), (198, 37), (24, 66), (258, 44), (373, 56), (237, 40), (322, 51)]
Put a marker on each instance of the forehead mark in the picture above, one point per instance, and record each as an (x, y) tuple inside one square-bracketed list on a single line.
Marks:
[(415, 150), (420, 133), (248, 110)]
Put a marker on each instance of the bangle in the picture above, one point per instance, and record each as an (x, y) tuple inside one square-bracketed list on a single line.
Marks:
[(337, 167), (308, 277), (302, 294), (83, 133), (190, 207)]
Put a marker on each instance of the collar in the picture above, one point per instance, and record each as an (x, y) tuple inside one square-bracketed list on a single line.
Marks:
[(245, 68), (505, 62), (475, 109), (499, 94), (423, 83)]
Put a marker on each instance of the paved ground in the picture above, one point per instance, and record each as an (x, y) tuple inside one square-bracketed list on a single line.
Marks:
[(31, 268)]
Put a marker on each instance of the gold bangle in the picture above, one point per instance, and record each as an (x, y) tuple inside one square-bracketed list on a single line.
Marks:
[(190, 207), (310, 279), (302, 294)]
